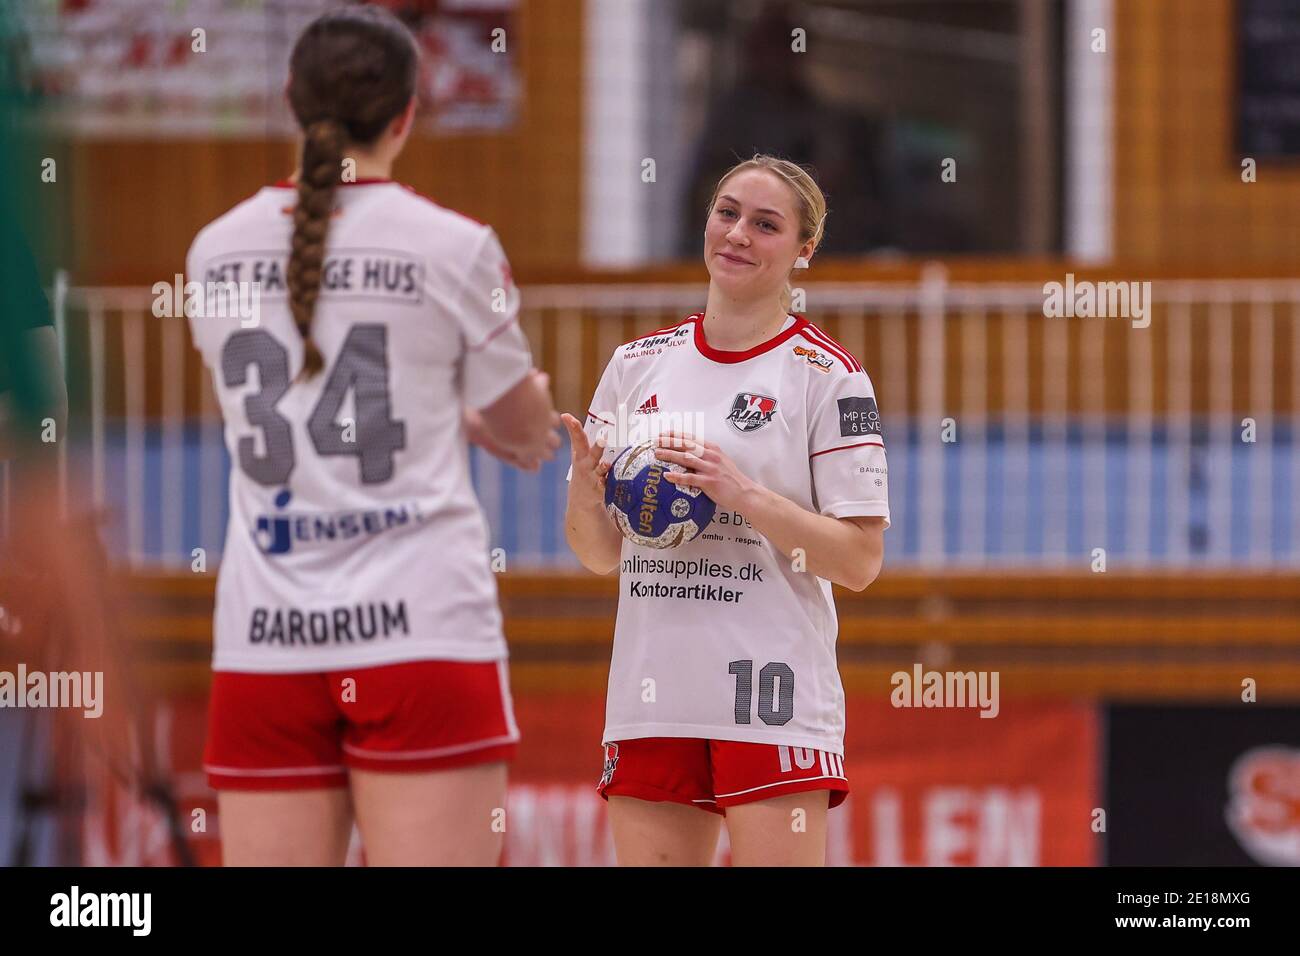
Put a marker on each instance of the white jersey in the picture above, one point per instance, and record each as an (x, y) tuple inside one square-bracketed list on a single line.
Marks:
[(355, 537), (721, 638)]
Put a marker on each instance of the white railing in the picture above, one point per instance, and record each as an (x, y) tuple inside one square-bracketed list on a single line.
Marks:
[(1070, 434)]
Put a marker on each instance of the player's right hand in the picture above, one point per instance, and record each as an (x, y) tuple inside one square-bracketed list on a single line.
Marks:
[(588, 470)]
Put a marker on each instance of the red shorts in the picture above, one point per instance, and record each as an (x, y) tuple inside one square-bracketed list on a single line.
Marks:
[(303, 731), (716, 774)]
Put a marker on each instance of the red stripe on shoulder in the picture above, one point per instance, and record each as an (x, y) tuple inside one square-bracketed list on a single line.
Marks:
[(379, 181), (827, 347), (493, 334), (832, 345), (287, 183), (669, 328)]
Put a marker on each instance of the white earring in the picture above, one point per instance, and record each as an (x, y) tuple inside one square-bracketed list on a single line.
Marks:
[(801, 263)]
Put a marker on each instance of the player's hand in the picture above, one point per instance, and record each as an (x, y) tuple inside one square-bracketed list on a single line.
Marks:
[(710, 469), (478, 433), (551, 443), (589, 471)]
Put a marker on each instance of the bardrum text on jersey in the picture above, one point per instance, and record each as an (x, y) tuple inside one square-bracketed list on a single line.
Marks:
[(338, 625)]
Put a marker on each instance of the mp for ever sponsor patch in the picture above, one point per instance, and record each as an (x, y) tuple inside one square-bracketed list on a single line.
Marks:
[(858, 416)]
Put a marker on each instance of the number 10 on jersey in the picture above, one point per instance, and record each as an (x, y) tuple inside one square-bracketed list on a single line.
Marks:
[(775, 692)]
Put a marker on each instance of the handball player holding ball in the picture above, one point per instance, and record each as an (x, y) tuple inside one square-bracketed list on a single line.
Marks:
[(765, 482)]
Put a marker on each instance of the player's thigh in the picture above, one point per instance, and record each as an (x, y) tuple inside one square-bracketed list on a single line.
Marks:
[(284, 828), (274, 756), (426, 745), (453, 817), (661, 833), (788, 830)]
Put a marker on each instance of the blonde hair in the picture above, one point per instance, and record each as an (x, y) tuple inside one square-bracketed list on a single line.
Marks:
[(808, 195)]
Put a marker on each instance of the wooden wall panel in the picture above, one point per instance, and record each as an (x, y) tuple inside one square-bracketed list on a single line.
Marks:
[(1131, 636), (1178, 191), (1177, 175), (138, 203)]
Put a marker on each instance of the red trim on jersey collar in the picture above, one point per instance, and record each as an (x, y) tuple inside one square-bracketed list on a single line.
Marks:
[(731, 357), (377, 181), (367, 181)]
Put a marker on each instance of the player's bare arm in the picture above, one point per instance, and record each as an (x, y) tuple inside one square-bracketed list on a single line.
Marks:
[(846, 551), (520, 426), (478, 433), (591, 533)]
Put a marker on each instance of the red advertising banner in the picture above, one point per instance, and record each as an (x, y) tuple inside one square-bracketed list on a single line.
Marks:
[(931, 787)]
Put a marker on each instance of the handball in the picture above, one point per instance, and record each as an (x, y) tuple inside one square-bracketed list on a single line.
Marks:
[(648, 508)]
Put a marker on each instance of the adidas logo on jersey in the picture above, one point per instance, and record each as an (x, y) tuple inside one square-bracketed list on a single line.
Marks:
[(651, 404), (749, 411)]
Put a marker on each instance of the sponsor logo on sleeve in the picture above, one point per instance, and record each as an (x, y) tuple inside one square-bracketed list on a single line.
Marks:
[(881, 474), (818, 360), (859, 417)]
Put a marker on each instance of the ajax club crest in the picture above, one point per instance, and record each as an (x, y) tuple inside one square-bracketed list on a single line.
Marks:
[(750, 411)]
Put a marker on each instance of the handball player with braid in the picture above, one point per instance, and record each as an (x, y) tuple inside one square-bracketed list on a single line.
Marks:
[(359, 663)]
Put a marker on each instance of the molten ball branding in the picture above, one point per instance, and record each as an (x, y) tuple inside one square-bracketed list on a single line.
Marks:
[(648, 508), (654, 474)]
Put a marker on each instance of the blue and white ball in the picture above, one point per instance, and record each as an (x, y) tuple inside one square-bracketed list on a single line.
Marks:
[(648, 508)]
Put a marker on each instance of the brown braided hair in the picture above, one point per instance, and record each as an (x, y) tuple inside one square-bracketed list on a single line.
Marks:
[(352, 72)]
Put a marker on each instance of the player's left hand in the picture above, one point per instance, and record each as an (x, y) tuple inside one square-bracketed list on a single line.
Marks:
[(710, 469)]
